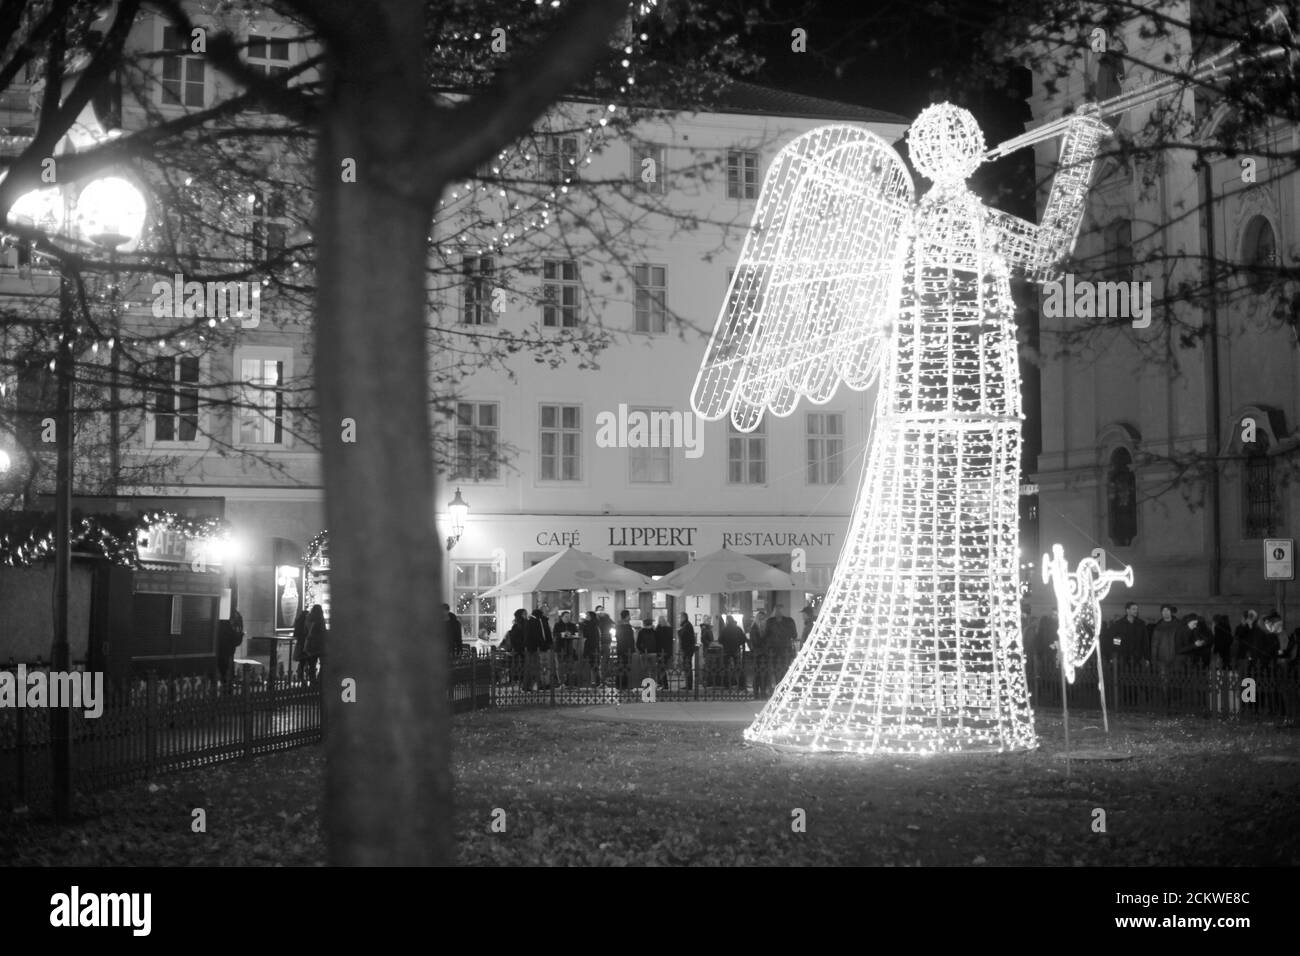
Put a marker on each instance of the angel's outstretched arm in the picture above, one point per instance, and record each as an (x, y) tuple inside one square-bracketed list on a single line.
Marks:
[(1035, 250)]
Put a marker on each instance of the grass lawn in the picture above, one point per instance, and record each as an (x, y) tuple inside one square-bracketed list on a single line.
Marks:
[(579, 791)]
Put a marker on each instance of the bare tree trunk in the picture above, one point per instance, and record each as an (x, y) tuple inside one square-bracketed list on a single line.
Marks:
[(388, 790)]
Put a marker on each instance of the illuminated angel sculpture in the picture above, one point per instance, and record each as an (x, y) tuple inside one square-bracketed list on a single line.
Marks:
[(1078, 604), (842, 278)]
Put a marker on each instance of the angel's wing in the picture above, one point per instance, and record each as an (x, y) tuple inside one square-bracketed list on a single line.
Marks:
[(819, 274)]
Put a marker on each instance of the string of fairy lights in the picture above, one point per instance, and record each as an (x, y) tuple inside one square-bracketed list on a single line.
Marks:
[(115, 539), (917, 648), (539, 216)]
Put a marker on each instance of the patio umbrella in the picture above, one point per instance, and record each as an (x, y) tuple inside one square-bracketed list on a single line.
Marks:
[(723, 572), (573, 570)]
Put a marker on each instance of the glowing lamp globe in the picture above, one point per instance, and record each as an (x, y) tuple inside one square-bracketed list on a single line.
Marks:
[(41, 209), (5, 461), (111, 213)]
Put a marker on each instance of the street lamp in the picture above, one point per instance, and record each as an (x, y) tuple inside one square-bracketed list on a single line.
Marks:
[(109, 212), (458, 510)]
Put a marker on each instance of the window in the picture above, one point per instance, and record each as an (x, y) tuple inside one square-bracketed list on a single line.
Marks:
[(268, 56), (651, 465), (1261, 516), (270, 229), (1121, 499), (742, 174), (478, 426), (478, 615), (649, 167), (746, 455), (560, 294), (176, 399), (561, 444), (560, 159), (476, 308), (825, 448), (1259, 252), (261, 413), (1118, 240), (651, 298), (184, 78)]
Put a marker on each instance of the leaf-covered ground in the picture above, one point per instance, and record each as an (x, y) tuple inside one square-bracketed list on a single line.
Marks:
[(588, 792)]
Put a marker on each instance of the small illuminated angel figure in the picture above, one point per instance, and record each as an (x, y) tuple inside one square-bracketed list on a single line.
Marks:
[(843, 278), (1078, 604)]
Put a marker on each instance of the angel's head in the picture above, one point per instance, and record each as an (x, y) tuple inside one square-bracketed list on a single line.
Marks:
[(945, 143)]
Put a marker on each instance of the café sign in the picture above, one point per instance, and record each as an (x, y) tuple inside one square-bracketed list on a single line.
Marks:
[(163, 543)]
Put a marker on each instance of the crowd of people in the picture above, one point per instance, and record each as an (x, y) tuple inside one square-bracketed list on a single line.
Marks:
[(1171, 642), (1258, 646), (653, 646)]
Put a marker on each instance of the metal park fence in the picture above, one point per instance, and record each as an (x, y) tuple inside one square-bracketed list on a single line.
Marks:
[(556, 679), (1254, 692), (151, 726)]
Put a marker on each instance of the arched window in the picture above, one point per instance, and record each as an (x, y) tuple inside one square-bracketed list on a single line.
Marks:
[(1260, 503), (1259, 252), (1121, 499)]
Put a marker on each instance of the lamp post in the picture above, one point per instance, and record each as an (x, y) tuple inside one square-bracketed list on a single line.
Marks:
[(112, 209), (458, 510)]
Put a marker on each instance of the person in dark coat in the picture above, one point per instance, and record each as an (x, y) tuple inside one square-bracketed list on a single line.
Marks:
[(782, 636), (625, 646), (1243, 637), (809, 619), (664, 646), (646, 639), (664, 638), (1221, 642), (686, 642), (1194, 641), (230, 634), (455, 633), (589, 628), (732, 639), (607, 630), (564, 632), (300, 642), (516, 643), (537, 641), (1165, 638), (316, 635), (706, 636), (1129, 640)]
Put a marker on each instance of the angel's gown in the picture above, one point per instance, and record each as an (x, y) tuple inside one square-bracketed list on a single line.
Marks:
[(918, 643)]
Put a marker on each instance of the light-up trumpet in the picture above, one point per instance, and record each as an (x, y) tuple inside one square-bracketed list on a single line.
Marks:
[(1156, 89)]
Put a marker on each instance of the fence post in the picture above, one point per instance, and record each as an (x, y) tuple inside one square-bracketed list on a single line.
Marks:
[(150, 722), (247, 713), (270, 700), (473, 679), (696, 660)]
